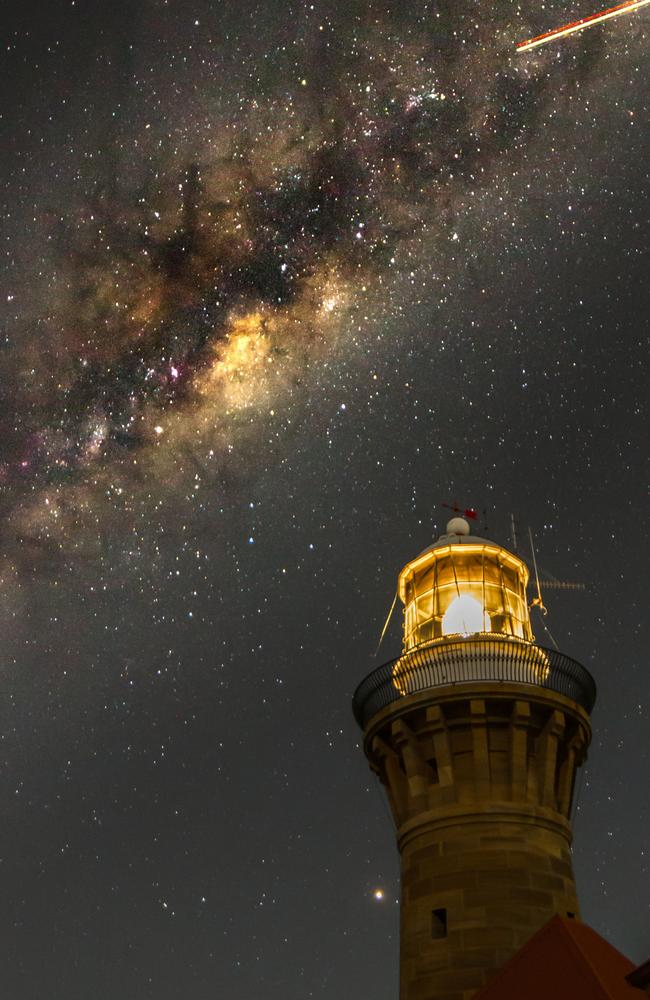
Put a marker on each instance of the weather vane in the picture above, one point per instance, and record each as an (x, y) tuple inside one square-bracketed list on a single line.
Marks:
[(585, 22)]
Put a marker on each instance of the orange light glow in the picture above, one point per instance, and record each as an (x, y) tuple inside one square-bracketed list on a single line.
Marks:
[(464, 589), (585, 22)]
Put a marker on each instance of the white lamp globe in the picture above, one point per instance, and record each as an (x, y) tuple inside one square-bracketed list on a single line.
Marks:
[(465, 616)]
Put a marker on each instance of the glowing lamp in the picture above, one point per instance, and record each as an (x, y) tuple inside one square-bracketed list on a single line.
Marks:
[(465, 616), (463, 585)]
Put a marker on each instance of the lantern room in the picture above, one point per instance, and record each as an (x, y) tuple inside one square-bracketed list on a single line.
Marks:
[(463, 585)]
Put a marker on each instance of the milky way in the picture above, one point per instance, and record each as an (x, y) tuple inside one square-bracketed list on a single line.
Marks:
[(203, 285), (281, 280)]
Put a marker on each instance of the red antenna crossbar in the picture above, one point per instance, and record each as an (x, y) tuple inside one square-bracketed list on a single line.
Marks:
[(467, 512)]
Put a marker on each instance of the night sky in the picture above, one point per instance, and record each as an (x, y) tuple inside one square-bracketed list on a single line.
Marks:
[(280, 280)]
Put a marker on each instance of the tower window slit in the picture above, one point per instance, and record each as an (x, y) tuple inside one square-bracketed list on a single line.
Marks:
[(439, 923)]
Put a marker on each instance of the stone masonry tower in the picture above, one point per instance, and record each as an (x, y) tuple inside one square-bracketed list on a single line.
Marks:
[(476, 732)]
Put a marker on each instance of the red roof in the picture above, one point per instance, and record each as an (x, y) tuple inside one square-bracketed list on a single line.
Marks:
[(640, 977), (565, 960)]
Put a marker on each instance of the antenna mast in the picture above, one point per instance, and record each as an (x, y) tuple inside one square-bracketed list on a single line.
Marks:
[(537, 601), (513, 531)]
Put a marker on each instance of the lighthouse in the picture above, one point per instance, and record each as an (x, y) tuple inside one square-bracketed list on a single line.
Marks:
[(476, 732)]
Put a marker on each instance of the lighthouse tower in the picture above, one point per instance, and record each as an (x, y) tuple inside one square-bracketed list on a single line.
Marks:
[(476, 733)]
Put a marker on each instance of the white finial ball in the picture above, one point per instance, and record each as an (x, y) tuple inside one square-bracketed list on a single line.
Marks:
[(457, 526)]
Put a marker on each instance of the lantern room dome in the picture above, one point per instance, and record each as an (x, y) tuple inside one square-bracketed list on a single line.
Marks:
[(463, 585)]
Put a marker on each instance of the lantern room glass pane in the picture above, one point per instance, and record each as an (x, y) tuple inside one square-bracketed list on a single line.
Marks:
[(488, 577)]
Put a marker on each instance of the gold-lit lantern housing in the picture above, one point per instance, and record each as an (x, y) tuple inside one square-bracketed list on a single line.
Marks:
[(463, 585)]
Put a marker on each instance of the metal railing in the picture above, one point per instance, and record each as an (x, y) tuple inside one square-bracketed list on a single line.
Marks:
[(467, 661)]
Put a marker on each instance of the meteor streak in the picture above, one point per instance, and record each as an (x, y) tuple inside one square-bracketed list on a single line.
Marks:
[(585, 22)]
